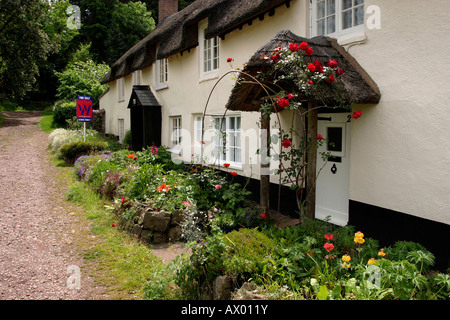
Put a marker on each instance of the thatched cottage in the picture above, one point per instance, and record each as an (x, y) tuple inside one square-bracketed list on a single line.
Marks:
[(389, 175)]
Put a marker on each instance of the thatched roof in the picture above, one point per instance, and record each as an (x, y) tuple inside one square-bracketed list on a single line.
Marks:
[(354, 86), (179, 32)]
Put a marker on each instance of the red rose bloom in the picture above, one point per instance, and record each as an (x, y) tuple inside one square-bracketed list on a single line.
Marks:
[(357, 114), (283, 103), (319, 137), (309, 51), (317, 63), (330, 78), (310, 82), (311, 67), (332, 63), (275, 58), (286, 143), (340, 72), (294, 47), (229, 59), (304, 45), (290, 96)]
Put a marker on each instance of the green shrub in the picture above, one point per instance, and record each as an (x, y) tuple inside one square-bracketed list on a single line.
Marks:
[(62, 112), (72, 151)]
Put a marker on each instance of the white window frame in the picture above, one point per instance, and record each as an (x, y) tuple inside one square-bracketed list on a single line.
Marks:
[(231, 152), (338, 14), (162, 74), (120, 89), (209, 54), (175, 130)]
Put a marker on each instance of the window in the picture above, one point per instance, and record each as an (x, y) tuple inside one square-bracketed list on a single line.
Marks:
[(198, 128), (210, 54), (137, 75), (121, 130), (175, 131), (163, 73), (227, 141), (337, 17), (120, 89)]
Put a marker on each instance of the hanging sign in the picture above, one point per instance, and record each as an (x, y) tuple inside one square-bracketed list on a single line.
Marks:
[(84, 109)]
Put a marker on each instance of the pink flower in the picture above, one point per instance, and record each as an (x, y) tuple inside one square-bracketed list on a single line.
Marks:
[(328, 246), (187, 204), (290, 96), (319, 137), (329, 236), (217, 186), (123, 200)]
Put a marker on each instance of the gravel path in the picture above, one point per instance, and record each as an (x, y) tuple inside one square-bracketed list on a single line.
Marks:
[(38, 258)]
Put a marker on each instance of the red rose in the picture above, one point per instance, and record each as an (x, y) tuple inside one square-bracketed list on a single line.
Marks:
[(332, 63), (311, 67), (294, 47), (319, 137), (290, 96), (233, 173), (304, 45), (317, 63), (283, 103), (340, 72), (357, 114), (275, 57), (330, 78), (310, 82), (229, 59), (309, 51), (286, 143)]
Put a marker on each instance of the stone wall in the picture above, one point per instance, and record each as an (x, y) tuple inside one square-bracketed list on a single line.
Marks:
[(156, 227)]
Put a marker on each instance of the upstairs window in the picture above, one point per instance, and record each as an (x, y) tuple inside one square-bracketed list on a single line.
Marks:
[(162, 74), (211, 54), (337, 17), (120, 89)]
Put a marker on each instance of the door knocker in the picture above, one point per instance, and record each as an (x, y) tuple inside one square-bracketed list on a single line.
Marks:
[(334, 168)]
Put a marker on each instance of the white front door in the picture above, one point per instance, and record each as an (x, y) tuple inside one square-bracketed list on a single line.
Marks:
[(332, 188)]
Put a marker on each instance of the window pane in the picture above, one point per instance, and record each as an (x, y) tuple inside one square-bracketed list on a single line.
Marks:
[(347, 19), (232, 123), (238, 123), (346, 4), (359, 16), (331, 7), (320, 9), (358, 2), (334, 139), (321, 27), (331, 24)]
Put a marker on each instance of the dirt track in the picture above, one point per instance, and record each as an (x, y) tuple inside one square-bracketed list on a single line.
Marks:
[(38, 259)]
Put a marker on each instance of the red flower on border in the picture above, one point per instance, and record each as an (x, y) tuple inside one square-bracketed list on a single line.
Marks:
[(329, 236), (262, 215), (328, 246), (233, 173), (226, 165), (286, 143)]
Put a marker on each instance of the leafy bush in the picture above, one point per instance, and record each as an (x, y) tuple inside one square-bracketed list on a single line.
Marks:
[(62, 112), (72, 151)]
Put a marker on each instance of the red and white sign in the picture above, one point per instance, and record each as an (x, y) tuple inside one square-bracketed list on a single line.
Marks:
[(84, 109)]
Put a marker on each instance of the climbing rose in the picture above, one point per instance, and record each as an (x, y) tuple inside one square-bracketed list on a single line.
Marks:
[(303, 46), (286, 143), (340, 72), (294, 47), (357, 114), (290, 96), (275, 57), (309, 51), (332, 63), (330, 78), (229, 59), (311, 67), (310, 82), (283, 103), (319, 136)]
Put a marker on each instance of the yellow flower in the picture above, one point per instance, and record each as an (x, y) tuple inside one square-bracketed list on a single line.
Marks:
[(372, 261), (359, 235), (346, 258), (346, 265), (359, 240), (381, 253)]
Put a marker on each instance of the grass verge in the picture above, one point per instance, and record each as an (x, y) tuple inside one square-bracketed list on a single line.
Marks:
[(122, 265)]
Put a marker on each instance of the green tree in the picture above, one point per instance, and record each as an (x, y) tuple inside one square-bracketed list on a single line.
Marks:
[(82, 78), (130, 23), (23, 44)]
